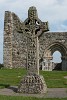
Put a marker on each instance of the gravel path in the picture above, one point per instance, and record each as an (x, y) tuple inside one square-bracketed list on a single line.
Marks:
[(51, 93)]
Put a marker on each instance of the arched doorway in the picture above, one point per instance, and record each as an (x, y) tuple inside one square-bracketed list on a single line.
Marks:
[(48, 63), (57, 61)]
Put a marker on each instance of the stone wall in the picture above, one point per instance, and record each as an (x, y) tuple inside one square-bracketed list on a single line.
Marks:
[(49, 38), (51, 42), (19, 43), (8, 39), (14, 42)]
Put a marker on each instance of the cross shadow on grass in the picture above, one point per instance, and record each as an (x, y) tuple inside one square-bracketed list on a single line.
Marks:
[(4, 86), (13, 88)]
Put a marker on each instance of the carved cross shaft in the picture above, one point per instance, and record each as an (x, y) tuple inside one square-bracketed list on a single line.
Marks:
[(34, 28), (33, 47)]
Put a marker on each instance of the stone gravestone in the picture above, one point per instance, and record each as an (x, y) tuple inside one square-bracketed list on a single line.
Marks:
[(33, 82)]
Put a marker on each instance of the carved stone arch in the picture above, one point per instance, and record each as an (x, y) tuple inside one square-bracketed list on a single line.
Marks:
[(56, 46), (51, 48)]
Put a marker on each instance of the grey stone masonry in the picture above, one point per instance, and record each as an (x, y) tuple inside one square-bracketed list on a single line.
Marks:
[(15, 44), (15, 37), (50, 42), (8, 26), (21, 48), (32, 82)]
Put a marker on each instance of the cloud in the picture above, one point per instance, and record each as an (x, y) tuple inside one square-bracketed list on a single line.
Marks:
[(47, 9)]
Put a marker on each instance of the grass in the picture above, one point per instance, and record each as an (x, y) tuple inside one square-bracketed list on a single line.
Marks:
[(54, 79), (27, 98), (11, 76)]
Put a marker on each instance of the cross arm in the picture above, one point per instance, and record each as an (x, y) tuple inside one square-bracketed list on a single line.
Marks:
[(43, 27)]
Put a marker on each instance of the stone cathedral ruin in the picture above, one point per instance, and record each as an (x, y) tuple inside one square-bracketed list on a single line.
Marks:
[(24, 41)]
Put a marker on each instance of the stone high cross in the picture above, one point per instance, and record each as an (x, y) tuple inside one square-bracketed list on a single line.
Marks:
[(35, 29), (32, 82)]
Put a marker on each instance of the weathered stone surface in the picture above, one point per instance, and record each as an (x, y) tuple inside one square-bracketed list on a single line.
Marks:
[(49, 43), (15, 37), (15, 40), (32, 84)]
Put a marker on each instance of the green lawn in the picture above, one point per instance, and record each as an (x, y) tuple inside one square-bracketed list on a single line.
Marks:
[(11, 76), (27, 98), (54, 79)]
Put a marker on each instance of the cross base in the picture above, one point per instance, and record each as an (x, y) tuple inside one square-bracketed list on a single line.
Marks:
[(32, 84)]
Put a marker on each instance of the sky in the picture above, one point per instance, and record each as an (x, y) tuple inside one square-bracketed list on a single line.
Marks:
[(57, 57), (53, 11)]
